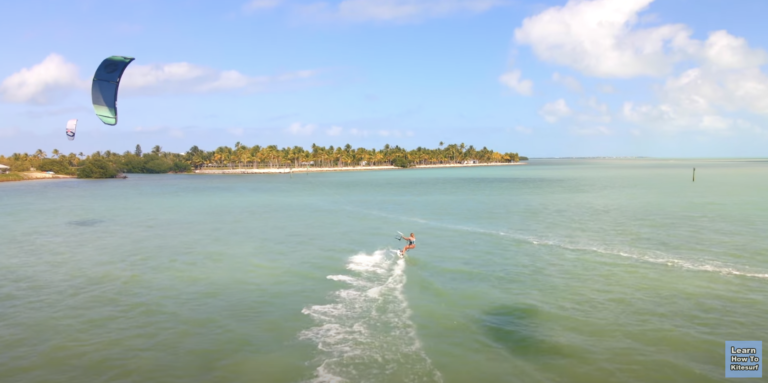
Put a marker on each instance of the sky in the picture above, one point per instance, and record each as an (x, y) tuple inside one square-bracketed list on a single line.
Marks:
[(663, 78)]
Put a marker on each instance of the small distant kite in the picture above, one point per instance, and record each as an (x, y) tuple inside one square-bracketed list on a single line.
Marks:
[(106, 80), (71, 127)]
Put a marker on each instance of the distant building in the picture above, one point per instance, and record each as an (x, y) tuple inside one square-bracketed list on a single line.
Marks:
[(468, 162), (363, 163), (4, 169)]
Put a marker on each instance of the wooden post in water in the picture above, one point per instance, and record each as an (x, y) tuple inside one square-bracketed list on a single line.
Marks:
[(694, 175)]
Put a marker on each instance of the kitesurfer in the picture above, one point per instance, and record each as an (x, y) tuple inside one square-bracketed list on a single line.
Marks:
[(411, 244)]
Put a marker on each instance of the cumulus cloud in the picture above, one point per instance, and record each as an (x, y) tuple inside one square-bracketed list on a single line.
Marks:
[(597, 112), (602, 38), (593, 131), (298, 129), (190, 78), (237, 132), (725, 51), (607, 38), (395, 10), (358, 132), (43, 82), (671, 118), (606, 88), (334, 131), (698, 98), (54, 76), (259, 5), (588, 119), (567, 81), (381, 132), (170, 132), (598, 38), (554, 111), (513, 80)]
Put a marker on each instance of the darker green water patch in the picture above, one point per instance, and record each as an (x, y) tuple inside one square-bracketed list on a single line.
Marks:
[(523, 331), (86, 222)]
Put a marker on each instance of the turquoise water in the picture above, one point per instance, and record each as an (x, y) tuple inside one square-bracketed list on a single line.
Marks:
[(557, 271)]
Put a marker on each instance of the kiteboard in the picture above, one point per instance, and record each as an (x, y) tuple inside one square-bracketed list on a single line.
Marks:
[(399, 252)]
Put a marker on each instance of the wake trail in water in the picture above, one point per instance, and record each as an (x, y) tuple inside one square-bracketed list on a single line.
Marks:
[(366, 335), (652, 256)]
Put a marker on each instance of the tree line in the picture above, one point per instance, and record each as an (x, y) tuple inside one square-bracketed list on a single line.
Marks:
[(108, 164)]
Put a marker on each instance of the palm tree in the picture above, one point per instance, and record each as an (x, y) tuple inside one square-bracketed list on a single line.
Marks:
[(40, 154), (157, 149)]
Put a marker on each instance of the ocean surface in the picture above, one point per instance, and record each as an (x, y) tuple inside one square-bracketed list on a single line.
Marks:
[(557, 271)]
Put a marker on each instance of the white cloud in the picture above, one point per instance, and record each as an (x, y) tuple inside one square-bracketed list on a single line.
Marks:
[(597, 38), (556, 110), (673, 118), (605, 38), (567, 81), (589, 119), (147, 129), (358, 132), (698, 98), (307, 129), (725, 51), (50, 79), (259, 5), (297, 129), (334, 131), (395, 10), (599, 113), (602, 38), (190, 78), (650, 18), (237, 132), (594, 131), (606, 88), (393, 133), (42, 82), (513, 80), (171, 132), (365, 132)]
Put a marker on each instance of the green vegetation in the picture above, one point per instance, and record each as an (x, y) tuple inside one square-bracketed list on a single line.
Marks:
[(97, 168), (57, 166), (11, 177), (108, 164), (270, 156)]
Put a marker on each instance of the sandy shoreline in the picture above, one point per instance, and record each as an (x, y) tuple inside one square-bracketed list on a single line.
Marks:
[(34, 176), (341, 169)]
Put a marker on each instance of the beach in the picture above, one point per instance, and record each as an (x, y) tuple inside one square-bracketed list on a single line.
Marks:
[(312, 169), (34, 176)]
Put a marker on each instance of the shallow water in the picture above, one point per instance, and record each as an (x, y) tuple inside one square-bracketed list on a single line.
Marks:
[(557, 271)]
